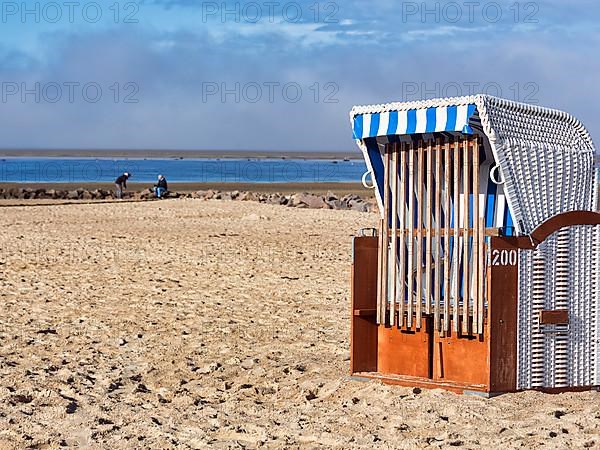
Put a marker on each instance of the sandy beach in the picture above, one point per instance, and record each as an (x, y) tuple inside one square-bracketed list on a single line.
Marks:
[(216, 324)]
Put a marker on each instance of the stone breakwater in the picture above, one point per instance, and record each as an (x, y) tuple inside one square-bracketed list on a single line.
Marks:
[(299, 200)]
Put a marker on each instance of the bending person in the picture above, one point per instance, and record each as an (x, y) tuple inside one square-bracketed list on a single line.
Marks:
[(121, 184)]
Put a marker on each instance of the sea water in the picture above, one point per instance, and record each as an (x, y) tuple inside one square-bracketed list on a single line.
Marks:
[(90, 170)]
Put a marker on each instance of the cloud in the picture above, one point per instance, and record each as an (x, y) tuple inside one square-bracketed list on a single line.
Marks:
[(368, 56)]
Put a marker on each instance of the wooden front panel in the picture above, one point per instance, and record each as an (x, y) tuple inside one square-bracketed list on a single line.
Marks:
[(485, 362), (462, 359), (503, 278), (406, 352), (363, 333)]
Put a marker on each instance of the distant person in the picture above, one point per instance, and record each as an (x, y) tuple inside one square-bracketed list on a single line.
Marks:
[(121, 184), (161, 187)]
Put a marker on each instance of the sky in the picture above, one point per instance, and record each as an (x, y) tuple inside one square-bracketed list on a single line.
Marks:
[(280, 76)]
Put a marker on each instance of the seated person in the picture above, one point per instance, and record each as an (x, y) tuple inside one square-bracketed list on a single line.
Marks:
[(160, 188)]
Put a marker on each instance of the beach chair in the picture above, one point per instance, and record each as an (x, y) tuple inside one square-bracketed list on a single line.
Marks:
[(484, 275)]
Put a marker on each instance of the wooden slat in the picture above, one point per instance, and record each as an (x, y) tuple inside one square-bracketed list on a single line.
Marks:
[(428, 238), (465, 223), (386, 231), (475, 251), (402, 235), (419, 252), (481, 257), (447, 180), (394, 256), (481, 251), (482, 277), (411, 240), (380, 276), (437, 285), (455, 246)]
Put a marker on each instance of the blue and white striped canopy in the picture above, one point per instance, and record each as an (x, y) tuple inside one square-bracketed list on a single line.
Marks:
[(374, 125), (414, 121)]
